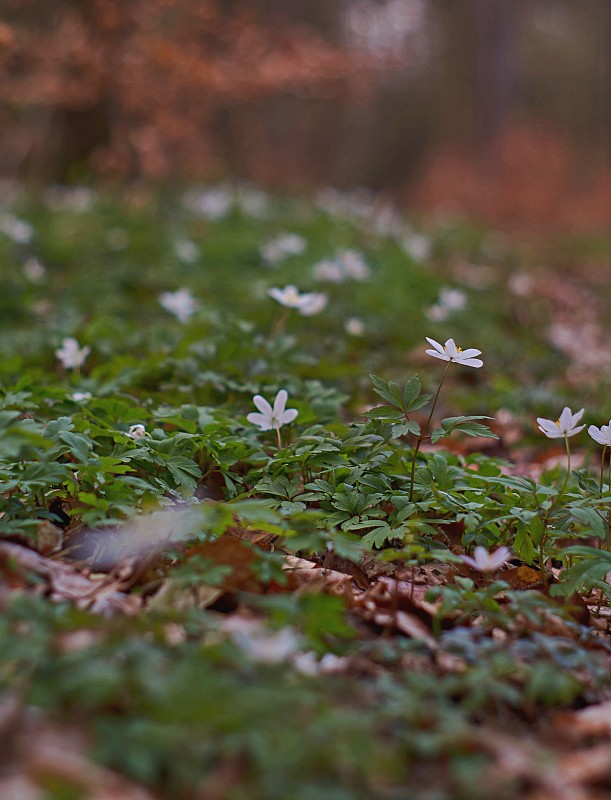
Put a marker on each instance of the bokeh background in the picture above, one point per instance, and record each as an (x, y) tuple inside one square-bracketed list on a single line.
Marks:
[(486, 108)]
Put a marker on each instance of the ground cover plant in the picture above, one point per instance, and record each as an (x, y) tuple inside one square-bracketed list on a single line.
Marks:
[(299, 500)]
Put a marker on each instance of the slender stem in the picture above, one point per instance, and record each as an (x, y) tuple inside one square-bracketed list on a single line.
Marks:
[(279, 323), (424, 432), (609, 510), (568, 464), (279, 439), (602, 470)]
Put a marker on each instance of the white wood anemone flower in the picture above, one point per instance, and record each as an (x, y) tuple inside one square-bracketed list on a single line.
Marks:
[(306, 303), (484, 561), (71, 355), (180, 303), (601, 435), (269, 418), (566, 424), (450, 352), (137, 431)]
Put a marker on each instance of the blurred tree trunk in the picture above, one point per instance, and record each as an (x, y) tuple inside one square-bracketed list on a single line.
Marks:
[(494, 24)]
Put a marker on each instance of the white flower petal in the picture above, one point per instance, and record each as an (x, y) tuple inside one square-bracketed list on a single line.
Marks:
[(280, 403), (262, 421), (288, 416), (438, 347), (470, 362), (262, 404), (435, 354)]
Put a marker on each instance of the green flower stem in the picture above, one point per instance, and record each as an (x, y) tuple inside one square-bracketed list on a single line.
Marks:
[(568, 464), (279, 323), (279, 438), (424, 432), (609, 509)]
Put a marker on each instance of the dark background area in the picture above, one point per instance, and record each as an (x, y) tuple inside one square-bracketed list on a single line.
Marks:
[(482, 107)]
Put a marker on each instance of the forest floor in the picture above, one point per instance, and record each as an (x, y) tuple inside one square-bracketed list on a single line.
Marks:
[(268, 532)]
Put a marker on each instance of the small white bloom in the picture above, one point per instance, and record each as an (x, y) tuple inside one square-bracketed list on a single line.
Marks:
[(450, 352), (70, 354), (308, 303), (353, 265), (212, 204), (186, 251), (181, 303), (269, 648), (80, 397), (355, 326), (601, 435), (34, 271), (417, 246), (308, 664), (328, 270), (137, 431), (484, 561), (565, 425), (437, 313), (272, 418), (287, 244), (252, 202), (452, 299), (312, 303), (521, 284), (17, 230)]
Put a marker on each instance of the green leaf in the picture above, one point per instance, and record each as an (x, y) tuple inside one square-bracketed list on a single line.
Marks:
[(463, 425), (411, 390), (388, 391), (184, 471)]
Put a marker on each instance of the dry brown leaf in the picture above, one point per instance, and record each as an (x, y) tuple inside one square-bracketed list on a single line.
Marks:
[(101, 595), (590, 721)]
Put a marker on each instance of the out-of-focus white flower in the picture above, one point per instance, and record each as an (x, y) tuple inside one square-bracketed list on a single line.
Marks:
[(353, 265), (307, 303), (186, 251), (308, 664), (521, 284), (287, 244), (16, 229), (417, 246), (436, 313), (181, 303), (450, 352), (312, 303), (34, 271), (328, 270), (259, 644), (601, 435), (355, 326), (347, 264), (62, 198), (80, 397), (252, 202), (450, 300), (71, 355), (272, 418), (212, 204), (565, 425), (484, 561), (137, 431)]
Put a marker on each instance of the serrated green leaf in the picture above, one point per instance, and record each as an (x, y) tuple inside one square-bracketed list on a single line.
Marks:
[(411, 390)]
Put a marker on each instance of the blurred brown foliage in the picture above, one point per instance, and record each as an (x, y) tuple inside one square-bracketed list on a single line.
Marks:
[(144, 88), (479, 106)]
